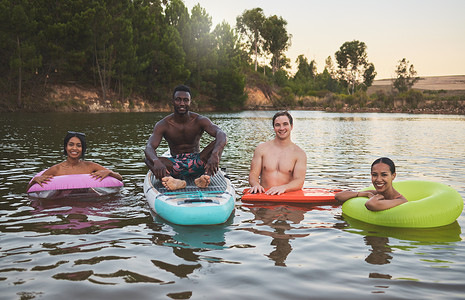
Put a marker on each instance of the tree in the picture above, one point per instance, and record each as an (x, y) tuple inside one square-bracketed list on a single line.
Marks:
[(114, 48), (103, 47), (19, 28), (125, 46), (304, 78), (64, 39), (250, 24), (277, 40), (230, 80), (329, 66), (354, 67), (201, 58), (369, 75), (305, 70), (325, 81), (406, 76), (159, 50)]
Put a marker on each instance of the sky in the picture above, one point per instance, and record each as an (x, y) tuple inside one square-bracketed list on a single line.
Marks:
[(428, 33)]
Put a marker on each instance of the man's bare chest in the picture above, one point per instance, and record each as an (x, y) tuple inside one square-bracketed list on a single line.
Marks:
[(281, 162), (183, 133)]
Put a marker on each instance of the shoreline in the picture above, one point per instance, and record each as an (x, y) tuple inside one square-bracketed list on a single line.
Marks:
[(167, 109), (457, 111), (443, 95)]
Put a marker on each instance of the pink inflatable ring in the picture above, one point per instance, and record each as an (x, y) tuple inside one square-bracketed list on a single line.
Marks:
[(77, 185)]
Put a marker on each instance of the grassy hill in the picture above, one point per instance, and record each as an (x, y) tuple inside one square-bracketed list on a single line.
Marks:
[(453, 83)]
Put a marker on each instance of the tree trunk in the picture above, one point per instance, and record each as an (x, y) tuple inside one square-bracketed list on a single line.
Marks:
[(18, 101), (256, 56), (102, 80)]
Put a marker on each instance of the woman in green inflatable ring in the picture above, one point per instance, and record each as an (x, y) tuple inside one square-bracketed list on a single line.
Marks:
[(383, 172)]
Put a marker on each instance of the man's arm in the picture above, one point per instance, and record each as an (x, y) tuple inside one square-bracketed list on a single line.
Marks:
[(255, 171), (213, 162), (151, 159), (298, 176)]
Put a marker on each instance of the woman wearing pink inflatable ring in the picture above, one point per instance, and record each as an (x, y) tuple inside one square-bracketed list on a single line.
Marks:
[(74, 147)]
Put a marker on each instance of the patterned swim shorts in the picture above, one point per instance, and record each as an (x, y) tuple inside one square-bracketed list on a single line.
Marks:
[(187, 164)]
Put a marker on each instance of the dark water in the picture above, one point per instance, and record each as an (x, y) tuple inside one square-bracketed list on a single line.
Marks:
[(115, 248)]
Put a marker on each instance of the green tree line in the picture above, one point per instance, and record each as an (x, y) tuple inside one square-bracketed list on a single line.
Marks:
[(145, 48), (126, 46)]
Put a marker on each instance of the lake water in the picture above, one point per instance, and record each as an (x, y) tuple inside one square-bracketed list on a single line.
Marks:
[(115, 248)]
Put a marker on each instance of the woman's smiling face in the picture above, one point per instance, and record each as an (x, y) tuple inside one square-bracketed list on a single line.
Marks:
[(381, 177), (74, 148)]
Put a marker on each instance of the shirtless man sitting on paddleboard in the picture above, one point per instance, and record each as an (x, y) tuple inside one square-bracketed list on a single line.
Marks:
[(183, 130), (278, 165)]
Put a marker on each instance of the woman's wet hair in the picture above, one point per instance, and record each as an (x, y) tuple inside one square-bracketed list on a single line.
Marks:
[(283, 113), (81, 136), (387, 161)]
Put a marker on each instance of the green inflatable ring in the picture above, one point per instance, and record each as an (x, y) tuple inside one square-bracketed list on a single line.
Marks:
[(430, 204)]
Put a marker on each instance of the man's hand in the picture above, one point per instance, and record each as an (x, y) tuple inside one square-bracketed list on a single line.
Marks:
[(276, 190), (257, 189), (159, 169), (212, 165)]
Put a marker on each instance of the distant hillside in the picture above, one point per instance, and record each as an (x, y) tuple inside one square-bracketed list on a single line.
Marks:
[(448, 83)]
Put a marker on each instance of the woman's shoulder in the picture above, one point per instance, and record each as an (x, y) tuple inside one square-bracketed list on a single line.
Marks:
[(92, 166), (54, 170), (401, 197)]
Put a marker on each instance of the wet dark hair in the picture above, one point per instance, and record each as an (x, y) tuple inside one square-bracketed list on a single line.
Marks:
[(387, 161), (81, 136), (283, 113), (182, 88)]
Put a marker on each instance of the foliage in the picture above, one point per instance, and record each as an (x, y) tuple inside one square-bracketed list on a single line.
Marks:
[(230, 81), (128, 46), (277, 40), (354, 68), (19, 54), (144, 48), (286, 99), (305, 70), (250, 26), (280, 78), (412, 98), (406, 76)]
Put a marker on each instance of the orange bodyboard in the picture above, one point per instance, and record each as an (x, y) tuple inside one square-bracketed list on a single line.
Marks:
[(305, 195)]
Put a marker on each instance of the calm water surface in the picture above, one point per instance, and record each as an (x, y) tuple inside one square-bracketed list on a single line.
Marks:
[(114, 248)]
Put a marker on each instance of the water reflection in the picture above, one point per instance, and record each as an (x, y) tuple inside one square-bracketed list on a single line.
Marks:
[(196, 237), (189, 244), (282, 220), (436, 235), (73, 216), (380, 250), (382, 241), (102, 247)]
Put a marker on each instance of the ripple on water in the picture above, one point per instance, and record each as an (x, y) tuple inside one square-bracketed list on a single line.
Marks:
[(105, 248)]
